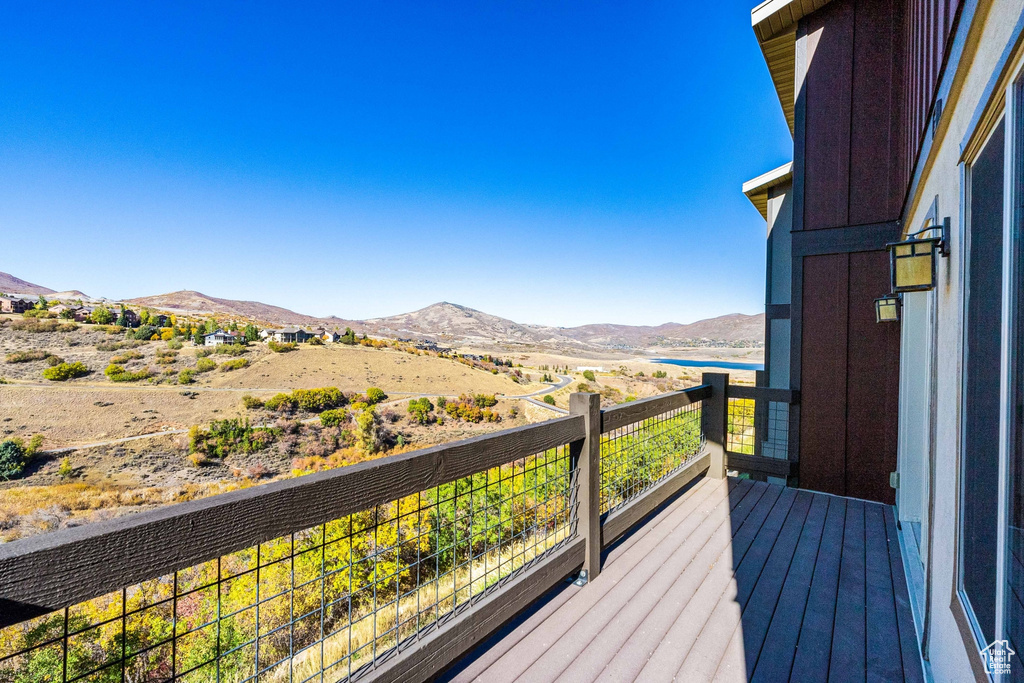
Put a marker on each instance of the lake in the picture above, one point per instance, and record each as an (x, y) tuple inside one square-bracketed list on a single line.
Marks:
[(722, 364)]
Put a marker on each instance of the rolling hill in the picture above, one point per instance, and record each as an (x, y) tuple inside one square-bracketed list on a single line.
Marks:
[(14, 285), (452, 324)]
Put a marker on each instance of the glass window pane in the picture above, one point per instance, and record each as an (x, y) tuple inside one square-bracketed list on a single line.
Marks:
[(980, 476)]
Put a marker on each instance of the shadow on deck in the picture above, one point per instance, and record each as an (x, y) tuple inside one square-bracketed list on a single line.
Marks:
[(732, 580)]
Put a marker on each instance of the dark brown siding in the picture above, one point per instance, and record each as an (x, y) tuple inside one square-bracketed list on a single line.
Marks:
[(850, 370), (823, 385), (853, 157), (872, 393), (927, 31)]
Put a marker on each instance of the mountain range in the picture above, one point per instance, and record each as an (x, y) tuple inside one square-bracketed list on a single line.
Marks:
[(452, 324)]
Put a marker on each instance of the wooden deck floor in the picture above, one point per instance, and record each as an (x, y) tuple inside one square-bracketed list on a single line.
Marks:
[(732, 581)]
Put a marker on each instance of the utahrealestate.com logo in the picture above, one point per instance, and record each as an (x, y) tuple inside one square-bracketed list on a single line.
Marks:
[(997, 658)]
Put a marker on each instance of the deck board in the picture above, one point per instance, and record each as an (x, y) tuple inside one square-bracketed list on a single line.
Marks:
[(734, 580)]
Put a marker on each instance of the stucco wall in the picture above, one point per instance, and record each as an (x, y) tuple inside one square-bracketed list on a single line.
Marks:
[(995, 22)]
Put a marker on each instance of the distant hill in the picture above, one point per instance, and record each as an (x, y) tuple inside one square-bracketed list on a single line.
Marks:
[(450, 324), (189, 301), (13, 285), (461, 324), (735, 327)]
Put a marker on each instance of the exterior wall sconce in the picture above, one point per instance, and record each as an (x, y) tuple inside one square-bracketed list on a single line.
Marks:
[(887, 309), (912, 261)]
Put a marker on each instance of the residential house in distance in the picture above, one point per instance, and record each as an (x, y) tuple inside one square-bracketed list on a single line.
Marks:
[(221, 337), (61, 308), (289, 334), (9, 304), (329, 336)]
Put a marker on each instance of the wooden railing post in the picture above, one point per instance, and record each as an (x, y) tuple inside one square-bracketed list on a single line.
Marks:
[(586, 461), (715, 411)]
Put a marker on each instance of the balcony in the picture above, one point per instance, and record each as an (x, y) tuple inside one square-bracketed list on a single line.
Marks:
[(605, 545)]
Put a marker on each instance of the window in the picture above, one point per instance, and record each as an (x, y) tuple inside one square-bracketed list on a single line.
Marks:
[(1013, 557), (979, 478)]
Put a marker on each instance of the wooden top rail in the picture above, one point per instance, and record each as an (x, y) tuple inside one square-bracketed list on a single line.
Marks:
[(44, 573), (638, 411)]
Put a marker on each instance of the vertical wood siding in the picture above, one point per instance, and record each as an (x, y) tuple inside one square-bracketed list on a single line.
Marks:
[(928, 31), (850, 369)]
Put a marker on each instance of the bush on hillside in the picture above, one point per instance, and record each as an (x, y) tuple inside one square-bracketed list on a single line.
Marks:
[(230, 349), (375, 395), (549, 399), (65, 371), (334, 418), (419, 409), (281, 347), (235, 364), (589, 376), (27, 356), (117, 373), (205, 365), (251, 402), (13, 459)]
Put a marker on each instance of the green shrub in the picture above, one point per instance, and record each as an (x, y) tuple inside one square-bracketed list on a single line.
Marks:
[(31, 325), (484, 400), (333, 418), (281, 403), (281, 347), (589, 376), (659, 374), (117, 346), (316, 341), (123, 358), (117, 373), (186, 376), (584, 387), (251, 402), (230, 349), (235, 364), (175, 344), (27, 356), (224, 437), (65, 371), (375, 395), (66, 470), (420, 409), (203, 352), (442, 401), (315, 400), (53, 361), (205, 365), (13, 459), (549, 399)]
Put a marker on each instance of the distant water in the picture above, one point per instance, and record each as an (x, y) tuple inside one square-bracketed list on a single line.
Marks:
[(723, 364)]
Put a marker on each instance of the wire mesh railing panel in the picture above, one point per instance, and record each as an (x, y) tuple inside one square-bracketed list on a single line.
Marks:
[(636, 457), (741, 435), (775, 436), (324, 604)]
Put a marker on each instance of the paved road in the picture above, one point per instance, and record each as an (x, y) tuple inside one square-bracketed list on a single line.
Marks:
[(564, 381)]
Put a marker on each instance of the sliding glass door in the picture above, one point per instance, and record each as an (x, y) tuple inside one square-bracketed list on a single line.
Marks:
[(982, 351)]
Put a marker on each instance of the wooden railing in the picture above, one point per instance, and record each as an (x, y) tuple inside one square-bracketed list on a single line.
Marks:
[(760, 425), (501, 518)]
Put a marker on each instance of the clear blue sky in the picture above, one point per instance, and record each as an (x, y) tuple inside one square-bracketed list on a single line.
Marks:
[(556, 163)]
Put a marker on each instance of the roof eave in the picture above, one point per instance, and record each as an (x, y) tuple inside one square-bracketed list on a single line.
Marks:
[(757, 189)]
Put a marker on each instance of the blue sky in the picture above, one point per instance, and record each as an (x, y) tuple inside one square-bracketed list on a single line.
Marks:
[(556, 163)]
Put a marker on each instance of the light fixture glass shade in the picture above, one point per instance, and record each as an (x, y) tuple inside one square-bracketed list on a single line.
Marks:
[(887, 309), (913, 265)]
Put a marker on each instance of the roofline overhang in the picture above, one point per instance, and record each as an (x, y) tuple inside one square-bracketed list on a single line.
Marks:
[(757, 189), (775, 23)]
